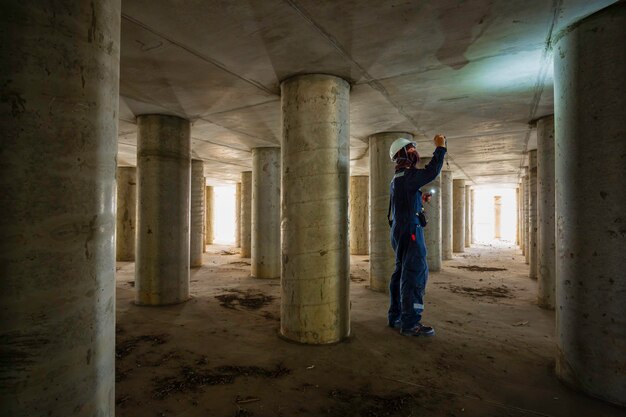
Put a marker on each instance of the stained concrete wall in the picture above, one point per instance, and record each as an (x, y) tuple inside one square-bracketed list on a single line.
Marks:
[(59, 87), (196, 217), (458, 215), (163, 189), (315, 306), (446, 214), (359, 215), (126, 219), (245, 218), (546, 228), (590, 110)]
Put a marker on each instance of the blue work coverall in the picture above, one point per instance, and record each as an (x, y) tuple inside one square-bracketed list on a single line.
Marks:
[(408, 281)]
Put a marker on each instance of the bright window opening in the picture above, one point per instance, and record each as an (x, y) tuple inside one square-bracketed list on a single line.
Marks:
[(224, 215), (495, 214)]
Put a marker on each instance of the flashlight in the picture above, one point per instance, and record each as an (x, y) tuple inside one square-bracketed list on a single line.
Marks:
[(432, 191)]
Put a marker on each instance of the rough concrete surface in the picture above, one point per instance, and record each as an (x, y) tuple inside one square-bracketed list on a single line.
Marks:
[(220, 353), (359, 215), (590, 109), (478, 71), (59, 85), (314, 215), (126, 217), (163, 210), (265, 236), (197, 215)]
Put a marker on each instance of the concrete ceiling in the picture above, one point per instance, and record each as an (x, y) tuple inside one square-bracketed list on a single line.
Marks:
[(478, 71)]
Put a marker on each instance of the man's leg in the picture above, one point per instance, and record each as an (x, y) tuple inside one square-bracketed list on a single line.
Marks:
[(409, 285), (393, 314)]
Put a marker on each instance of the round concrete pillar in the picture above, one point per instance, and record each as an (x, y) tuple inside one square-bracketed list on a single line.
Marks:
[(526, 213), (238, 215), (472, 217), (196, 232), (532, 214), (458, 215), (468, 216), (209, 216), (126, 218), (546, 230), (315, 306), (265, 213), (164, 172), (517, 217), (245, 217), (446, 214), (432, 231), (498, 216), (382, 257), (590, 109), (59, 86), (359, 215)]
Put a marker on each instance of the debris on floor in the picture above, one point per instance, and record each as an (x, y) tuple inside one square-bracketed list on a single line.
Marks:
[(476, 268), (365, 403), (239, 263), (192, 380), (355, 278), (497, 292), (123, 349), (249, 299)]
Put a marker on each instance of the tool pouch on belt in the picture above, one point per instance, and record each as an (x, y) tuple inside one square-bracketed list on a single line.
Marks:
[(422, 219)]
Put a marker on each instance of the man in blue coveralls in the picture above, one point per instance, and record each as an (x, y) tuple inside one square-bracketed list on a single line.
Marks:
[(408, 281)]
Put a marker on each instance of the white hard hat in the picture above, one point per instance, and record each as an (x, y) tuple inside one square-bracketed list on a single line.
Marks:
[(399, 144)]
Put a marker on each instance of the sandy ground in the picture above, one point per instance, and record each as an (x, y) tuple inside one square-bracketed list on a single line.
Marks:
[(219, 354)]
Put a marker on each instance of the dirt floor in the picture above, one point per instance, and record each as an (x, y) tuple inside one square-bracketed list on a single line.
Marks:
[(219, 354)]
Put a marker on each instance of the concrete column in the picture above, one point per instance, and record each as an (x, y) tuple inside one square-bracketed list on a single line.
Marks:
[(532, 213), (522, 244), (517, 217), (204, 217), (315, 299), (432, 231), (209, 216), (164, 174), (498, 216), (458, 220), (126, 218), (590, 109), (238, 215), (546, 229), (59, 110), (245, 218), (472, 218), (526, 221), (196, 230), (382, 258), (265, 213), (468, 216), (446, 214), (359, 215)]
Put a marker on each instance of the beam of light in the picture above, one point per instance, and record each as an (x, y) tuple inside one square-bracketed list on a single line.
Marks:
[(510, 72)]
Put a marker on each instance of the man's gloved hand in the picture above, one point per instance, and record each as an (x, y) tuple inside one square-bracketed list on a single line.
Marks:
[(426, 197), (440, 140)]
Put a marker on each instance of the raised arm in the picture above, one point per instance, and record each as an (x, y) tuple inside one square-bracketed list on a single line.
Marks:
[(433, 168)]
